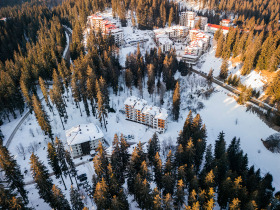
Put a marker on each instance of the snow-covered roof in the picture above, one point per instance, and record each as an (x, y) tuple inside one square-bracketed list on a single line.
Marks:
[(161, 114), (83, 133), (130, 101), (165, 40), (140, 104)]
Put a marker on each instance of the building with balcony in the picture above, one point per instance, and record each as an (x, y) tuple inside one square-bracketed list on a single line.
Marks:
[(139, 111)]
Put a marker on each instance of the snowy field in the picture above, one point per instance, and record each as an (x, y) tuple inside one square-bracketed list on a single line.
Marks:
[(208, 61), (220, 112)]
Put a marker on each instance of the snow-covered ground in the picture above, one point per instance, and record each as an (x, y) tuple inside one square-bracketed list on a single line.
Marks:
[(220, 112), (208, 61)]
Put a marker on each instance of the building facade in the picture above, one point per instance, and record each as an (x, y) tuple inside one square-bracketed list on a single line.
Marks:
[(190, 19), (98, 23), (84, 138), (139, 111)]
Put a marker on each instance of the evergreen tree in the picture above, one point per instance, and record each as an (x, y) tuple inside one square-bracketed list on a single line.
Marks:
[(169, 175), (42, 179), (42, 117), (12, 172), (179, 195), (210, 76), (91, 88), (171, 14), (220, 46), (156, 200), (153, 148), (167, 202), (45, 92), (59, 201), (101, 195), (54, 162), (61, 157), (102, 114), (71, 166), (224, 70), (176, 102), (101, 162), (75, 198)]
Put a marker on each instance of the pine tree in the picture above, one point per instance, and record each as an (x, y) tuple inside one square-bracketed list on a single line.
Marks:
[(101, 195), (9, 200), (54, 162), (42, 179), (102, 114), (101, 162), (61, 158), (220, 45), (176, 102), (224, 70), (134, 167), (56, 94), (26, 94), (151, 79), (45, 92), (71, 166), (210, 76), (91, 88), (153, 148), (171, 14), (179, 195), (42, 117), (169, 176), (12, 172), (59, 201), (167, 202), (75, 198), (156, 199)]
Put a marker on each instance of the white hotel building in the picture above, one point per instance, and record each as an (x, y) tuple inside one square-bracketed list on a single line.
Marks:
[(138, 110)]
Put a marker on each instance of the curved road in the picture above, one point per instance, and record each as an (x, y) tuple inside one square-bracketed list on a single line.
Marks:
[(67, 58)]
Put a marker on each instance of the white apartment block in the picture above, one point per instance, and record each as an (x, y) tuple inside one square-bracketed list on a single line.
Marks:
[(164, 42), (84, 138), (138, 110), (190, 19)]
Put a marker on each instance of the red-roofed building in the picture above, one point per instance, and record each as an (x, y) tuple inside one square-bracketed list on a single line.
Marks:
[(97, 23), (226, 22), (213, 28)]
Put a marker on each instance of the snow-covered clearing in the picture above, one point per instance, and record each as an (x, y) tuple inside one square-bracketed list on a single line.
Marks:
[(208, 61), (220, 112)]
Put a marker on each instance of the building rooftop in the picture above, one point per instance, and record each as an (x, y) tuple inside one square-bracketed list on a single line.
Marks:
[(218, 26), (130, 101), (83, 133), (140, 104)]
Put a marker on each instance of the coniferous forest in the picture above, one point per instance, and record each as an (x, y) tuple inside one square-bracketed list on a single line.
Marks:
[(189, 175)]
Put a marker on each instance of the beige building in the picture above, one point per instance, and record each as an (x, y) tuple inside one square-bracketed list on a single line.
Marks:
[(138, 110)]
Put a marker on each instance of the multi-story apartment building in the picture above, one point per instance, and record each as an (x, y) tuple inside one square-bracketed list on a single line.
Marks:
[(138, 110), (84, 138), (199, 44), (97, 23), (190, 19)]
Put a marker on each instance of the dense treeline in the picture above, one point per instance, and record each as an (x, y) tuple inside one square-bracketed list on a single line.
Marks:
[(259, 51), (257, 11), (181, 180), (39, 61)]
